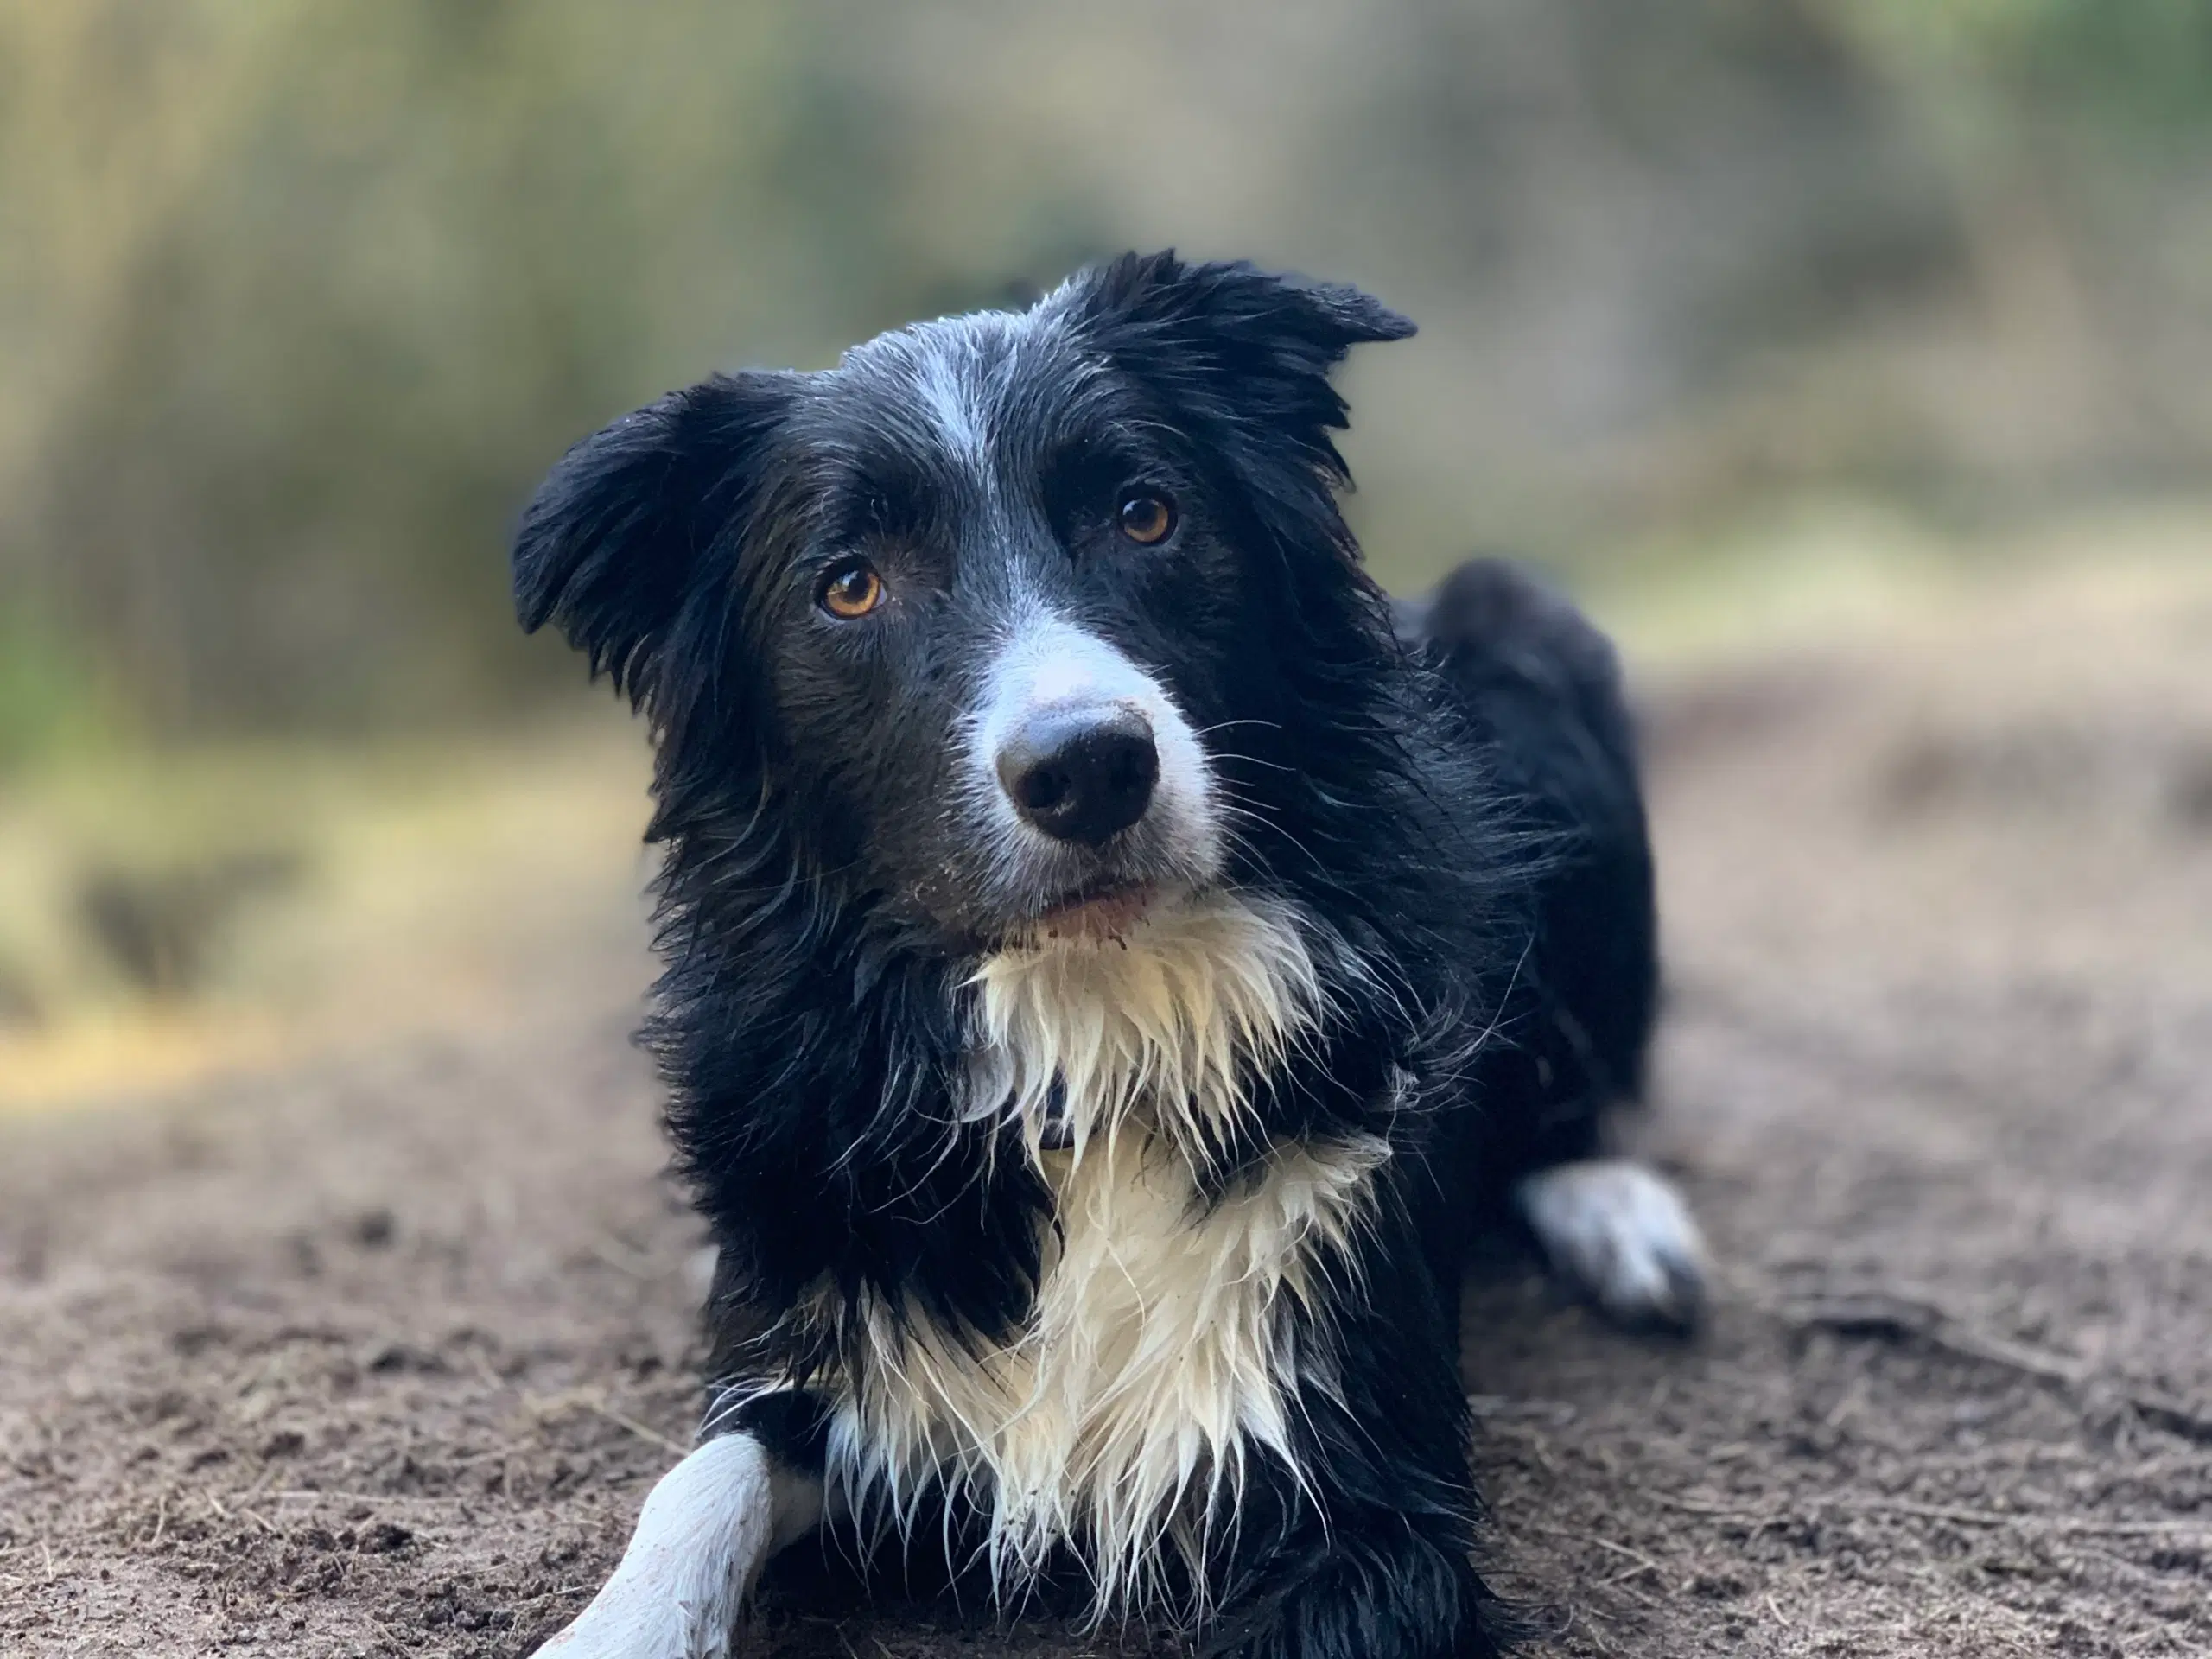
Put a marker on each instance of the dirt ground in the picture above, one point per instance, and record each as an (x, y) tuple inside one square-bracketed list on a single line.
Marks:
[(378, 1356)]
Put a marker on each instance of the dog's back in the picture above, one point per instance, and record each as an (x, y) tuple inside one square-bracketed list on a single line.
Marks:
[(1540, 689)]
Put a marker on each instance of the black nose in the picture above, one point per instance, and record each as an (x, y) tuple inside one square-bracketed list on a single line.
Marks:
[(1081, 774)]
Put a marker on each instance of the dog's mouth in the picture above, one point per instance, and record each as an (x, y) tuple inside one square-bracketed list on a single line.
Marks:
[(1098, 914)]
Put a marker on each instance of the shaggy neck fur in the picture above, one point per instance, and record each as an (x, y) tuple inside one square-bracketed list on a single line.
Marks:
[(1161, 1344), (1162, 1028)]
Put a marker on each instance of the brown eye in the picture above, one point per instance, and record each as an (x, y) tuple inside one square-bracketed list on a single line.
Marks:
[(1145, 518), (853, 590)]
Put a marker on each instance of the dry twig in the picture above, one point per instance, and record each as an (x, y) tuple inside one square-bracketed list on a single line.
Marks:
[(601, 1409), (2062, 1525), (1889, 1316)]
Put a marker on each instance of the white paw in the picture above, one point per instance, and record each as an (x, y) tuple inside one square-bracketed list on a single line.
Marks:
[(1620, 1234), (627, 1633), (700, 1540)]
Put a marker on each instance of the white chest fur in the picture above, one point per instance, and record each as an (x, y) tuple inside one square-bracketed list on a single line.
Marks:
[(1159, 1348)]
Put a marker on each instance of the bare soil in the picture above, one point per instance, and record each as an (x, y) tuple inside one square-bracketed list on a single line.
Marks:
[(378, 1356)]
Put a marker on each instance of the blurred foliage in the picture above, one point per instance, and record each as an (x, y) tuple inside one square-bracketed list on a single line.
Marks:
[(299, 298), (302, 295), (2145, 64), (51, 702)]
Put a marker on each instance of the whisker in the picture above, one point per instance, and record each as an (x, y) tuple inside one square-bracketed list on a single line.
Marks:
[(1253, 760), (1237, 806), (1223, 726)]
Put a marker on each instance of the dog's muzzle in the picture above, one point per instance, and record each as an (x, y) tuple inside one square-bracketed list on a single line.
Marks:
[(1085, 778)]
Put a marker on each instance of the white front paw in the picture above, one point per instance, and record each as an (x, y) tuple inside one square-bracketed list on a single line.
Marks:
[(1620, 1234), (701, 1539), (630, 1630)]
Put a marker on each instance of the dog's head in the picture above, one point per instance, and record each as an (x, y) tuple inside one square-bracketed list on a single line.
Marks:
[(1006, 613)]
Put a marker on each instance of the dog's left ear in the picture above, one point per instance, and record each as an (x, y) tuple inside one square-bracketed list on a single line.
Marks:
[(621, 537), (1241, 350)]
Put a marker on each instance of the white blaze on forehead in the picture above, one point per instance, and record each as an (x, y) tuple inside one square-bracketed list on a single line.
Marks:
[(951, 389), (962, 369), (965, 369)]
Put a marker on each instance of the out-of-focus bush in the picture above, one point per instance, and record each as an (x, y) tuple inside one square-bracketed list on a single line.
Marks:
[(302, 295), (298, 299)]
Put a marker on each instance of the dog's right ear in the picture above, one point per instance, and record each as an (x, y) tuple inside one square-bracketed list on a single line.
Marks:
[(617, 540)]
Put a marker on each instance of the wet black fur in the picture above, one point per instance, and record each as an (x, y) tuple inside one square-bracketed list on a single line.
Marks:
[(1459, 804)]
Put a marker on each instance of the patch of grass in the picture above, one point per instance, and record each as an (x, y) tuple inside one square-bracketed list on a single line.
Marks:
[(163, 914)]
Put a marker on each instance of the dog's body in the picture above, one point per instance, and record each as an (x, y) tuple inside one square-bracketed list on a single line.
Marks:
[(1111, 974)]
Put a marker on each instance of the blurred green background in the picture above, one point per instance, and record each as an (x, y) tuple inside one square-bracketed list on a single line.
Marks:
[(298, 300)]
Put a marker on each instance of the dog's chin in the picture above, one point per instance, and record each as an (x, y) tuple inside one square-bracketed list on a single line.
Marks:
[(1103, 915)]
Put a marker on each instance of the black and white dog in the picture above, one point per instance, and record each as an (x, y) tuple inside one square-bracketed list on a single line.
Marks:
[(1112, 969)]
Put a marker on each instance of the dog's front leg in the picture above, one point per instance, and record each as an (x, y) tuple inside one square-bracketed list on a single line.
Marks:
[(1360, 1545), (703, 1535)]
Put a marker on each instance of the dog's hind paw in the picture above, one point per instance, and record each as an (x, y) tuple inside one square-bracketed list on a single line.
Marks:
[(1621, 1236)]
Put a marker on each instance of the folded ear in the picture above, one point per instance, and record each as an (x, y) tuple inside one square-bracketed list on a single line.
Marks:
[(1234, 346), (622, 533)]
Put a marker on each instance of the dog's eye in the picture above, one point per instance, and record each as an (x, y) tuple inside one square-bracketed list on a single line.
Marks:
[(1144, 517), (851, 590)]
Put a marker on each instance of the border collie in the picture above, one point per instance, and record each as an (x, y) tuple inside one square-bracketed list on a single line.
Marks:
[(1113, 967)]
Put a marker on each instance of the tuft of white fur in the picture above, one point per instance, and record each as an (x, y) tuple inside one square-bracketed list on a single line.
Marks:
[(1162, 1026), (1158, 1352)]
